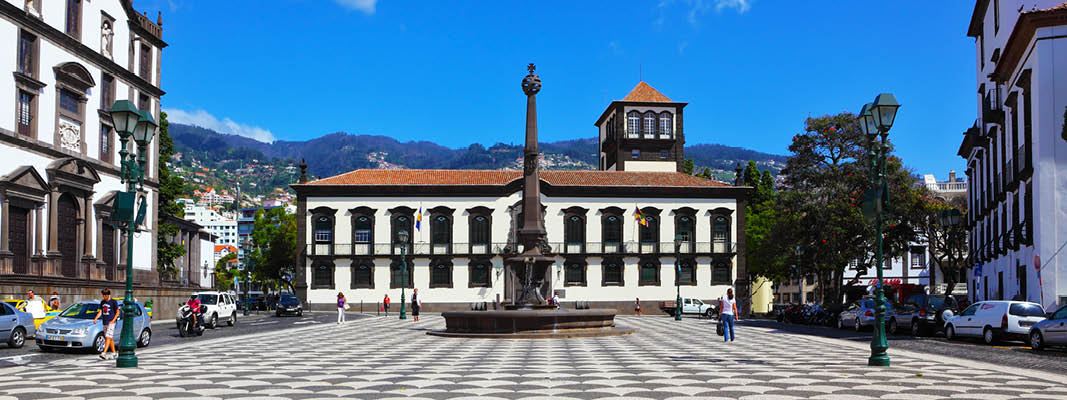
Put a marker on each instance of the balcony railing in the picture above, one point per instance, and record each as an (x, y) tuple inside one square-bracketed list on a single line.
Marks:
[(1010, 183), (427, 249), (992, 113), (1023, 168), (657, 134)]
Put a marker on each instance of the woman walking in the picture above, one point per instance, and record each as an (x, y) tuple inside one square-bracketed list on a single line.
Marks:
[(416, 304), (728, 315), (340, 308)]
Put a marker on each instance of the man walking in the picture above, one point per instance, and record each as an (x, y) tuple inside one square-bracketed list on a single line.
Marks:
[(108, 312)]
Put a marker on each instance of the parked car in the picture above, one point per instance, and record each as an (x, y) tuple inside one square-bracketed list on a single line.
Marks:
[(74, 328), (995, 320), (860, 314), (39, 309), (1050, 332), (15, 326), (922, 314), (219, 305), (289, 304), (690, 306)]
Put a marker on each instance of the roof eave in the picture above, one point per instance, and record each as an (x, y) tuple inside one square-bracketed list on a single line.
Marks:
[(974, 29)]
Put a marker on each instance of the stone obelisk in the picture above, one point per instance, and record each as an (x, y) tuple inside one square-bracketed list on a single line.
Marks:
[(530, 268)]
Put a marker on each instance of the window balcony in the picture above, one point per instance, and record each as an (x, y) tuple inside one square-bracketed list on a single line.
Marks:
[(1024, 167), (992, 113), (1011, 181), (998, 187), (472, 249)]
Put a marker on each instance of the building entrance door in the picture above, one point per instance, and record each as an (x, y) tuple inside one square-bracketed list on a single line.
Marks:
[(67, 227), (19, 238)]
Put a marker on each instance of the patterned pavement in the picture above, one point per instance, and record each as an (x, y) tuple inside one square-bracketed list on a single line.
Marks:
[(379, 357)]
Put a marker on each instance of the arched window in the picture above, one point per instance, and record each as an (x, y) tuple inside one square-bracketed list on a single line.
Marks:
[(687, 274), (720, 273), (72, 87), (480, 224), (633, 124), (402, 220), (363, 274), (612, 233), (612, 274), (396, 275), (574, 273), (685, 227), (479, 273), (441, 274), (648, 274), (441, 234), (648, 234), (322, 275), (720, 234), (666, 125), (363, 234), (650, 125), (574, 233), (323, 229)]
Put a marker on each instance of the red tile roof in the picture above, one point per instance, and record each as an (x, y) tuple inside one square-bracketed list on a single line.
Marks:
[(442, 177), (645, 93), (221, 247)]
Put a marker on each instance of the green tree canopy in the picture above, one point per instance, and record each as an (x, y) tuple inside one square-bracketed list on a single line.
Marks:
[(274, 249)]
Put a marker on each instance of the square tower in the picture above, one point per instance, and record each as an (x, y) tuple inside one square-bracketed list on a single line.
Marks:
[(642, 132)]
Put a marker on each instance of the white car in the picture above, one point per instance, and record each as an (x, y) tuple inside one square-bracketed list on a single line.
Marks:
[(219, 305), (995, 320)]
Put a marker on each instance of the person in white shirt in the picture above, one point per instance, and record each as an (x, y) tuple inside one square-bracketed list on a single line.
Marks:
[(728, 315)]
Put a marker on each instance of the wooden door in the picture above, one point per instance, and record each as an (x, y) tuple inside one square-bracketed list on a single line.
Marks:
[(107, 235), (67, 209), (19, 238)]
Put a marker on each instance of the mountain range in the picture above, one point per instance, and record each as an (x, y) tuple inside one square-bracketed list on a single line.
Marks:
[(340, 152)]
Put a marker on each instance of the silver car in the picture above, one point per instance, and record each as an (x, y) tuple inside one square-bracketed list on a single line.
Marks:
[(74, 328), (860, 314), (1050, 332), (15, 325)]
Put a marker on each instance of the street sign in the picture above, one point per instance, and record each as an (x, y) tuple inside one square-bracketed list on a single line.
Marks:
[(123, 206), (141, 210)]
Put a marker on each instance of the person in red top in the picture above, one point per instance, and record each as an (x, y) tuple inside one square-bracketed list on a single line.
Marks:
[(194, 305), (385, 304)]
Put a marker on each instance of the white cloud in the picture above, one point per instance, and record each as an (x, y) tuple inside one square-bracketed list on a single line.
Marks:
[(740, 5), (203, 119), (365, 6)]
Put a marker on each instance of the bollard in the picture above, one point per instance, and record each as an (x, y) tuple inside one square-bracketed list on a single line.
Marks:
[(361, 306), (377, 309)]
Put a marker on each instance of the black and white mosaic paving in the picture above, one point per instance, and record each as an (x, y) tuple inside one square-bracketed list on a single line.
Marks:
[(379, 358)]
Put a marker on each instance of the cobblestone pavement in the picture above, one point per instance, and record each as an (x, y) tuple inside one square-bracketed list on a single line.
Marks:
[(376, 358)]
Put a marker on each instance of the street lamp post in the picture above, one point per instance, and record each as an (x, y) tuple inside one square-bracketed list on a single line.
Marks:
[(140, 126), (799, 251), (678, 276), (876, 119), (247, 247), (949, 220), (402, 237)]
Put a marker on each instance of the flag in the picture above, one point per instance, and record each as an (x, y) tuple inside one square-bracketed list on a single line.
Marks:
[(640, 218), (418, 220)]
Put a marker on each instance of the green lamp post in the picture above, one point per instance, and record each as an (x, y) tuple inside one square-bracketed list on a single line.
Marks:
[(402, 237), (678, 276), (246, 246), (130, 123), (876, 119)]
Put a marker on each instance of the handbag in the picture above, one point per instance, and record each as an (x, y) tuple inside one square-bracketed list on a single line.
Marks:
[(346, 307), (719, 330)]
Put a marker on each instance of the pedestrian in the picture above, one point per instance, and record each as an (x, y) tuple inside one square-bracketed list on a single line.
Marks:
[(385, 304), (340, 308), (108, 314), (34, 305), (637, 306), (728, 315), (416, 304), (53, 302), (555, 301)]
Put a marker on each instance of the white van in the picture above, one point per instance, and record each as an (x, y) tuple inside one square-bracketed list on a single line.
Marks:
[(995, 320)]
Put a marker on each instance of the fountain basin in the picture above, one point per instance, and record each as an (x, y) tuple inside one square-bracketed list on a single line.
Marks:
[(530, 324)]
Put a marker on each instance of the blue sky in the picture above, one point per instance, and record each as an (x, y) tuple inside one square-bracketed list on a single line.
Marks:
[(449, 72)]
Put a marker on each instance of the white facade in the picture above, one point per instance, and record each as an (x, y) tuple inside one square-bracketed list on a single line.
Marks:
[(58, 149), (207, 262), (504, 210), (1016, 154), (225, 229)]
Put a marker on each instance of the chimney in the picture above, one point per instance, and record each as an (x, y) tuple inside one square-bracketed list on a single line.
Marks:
[(159, 18), (951, 176)]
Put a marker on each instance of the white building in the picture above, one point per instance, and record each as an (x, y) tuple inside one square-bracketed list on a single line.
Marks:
[(470, 218), (223, 228), (1016, 152), (953, 187), (69, 61)]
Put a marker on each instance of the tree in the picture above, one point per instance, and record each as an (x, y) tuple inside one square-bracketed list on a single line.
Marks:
[(687, 166), (170, 189), (706, 174), (274, 249), (948, 243), (224, 275)]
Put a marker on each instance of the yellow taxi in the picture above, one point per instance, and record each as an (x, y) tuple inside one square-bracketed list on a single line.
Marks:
[(39, 315)]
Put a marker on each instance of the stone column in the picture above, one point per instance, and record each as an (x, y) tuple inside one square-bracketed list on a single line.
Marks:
[(38, 231), (87, 235), (4, 223), (53, 220), (100, 243)]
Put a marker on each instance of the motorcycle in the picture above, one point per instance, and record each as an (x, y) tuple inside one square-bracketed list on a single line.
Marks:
[(186, 327)]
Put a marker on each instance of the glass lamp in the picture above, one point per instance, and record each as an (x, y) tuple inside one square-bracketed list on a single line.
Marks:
[(885, 111), (125, 116)]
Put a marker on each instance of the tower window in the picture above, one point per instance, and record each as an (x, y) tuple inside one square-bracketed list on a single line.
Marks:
[(650, 124), (633, 124), (635, 153), (664, 154), (665, 125)]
